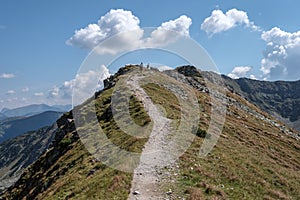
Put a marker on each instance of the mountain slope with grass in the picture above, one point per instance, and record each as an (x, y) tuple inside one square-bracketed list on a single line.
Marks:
[(256, 156)]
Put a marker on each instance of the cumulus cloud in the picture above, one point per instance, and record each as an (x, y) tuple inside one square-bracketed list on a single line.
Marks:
[(112, 23), (170, 31), (219, 21), (5, 75), (252, 76), (82, 87), (281, 56), (38, 94), (240, 71), (164, 68), (181, 25), (122, 21), (10, 92)]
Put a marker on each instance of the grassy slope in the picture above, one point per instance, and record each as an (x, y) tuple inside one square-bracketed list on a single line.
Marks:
[(252, 160), (69, 176)]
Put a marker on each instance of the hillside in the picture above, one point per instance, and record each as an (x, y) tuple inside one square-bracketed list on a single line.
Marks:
[(280, 98), (18, 153), (13, 127), (256, 157)]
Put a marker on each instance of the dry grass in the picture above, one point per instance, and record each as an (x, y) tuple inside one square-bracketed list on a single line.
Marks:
[(161, 96), (70, 176), (252, 159)]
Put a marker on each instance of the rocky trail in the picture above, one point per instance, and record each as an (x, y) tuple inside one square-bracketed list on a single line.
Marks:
[(155, 170)]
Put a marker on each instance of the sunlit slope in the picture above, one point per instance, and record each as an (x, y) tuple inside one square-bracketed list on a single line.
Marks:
[(255, 157)]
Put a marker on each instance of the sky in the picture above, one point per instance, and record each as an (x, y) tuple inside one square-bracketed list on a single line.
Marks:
[(44, 43)]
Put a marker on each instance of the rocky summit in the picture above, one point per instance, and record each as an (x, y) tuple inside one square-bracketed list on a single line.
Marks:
[(256, 155)]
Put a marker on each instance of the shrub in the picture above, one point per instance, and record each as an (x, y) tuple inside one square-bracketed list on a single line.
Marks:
[(65, 141), (199, 132)]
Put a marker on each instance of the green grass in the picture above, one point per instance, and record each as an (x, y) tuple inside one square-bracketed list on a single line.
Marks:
[(112, 130), (68, 177), (161, 96)]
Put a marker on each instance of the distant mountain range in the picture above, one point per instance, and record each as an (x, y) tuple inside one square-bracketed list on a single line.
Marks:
[(280, 99), (13, 127), (31, 110)]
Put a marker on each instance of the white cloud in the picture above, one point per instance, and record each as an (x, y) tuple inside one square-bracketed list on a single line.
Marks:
[(164, 68), (252, 76), (170, 31), (112, 23), (181, 25), (281, 56), (10, 92), (62, 94), (121, 21), (54, 92), (5, 75), (219, 22), (38, 94), (83, 86), (25, 89), (240, 71)]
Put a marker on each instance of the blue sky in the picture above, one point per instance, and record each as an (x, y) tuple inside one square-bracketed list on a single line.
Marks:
[(37, 66)]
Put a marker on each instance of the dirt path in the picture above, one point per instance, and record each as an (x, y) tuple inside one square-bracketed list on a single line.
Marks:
[(155, 162)]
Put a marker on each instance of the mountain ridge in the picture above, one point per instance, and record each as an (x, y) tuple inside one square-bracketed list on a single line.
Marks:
[(13, 127), (33, 109), (257, 159), (280, 99)]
